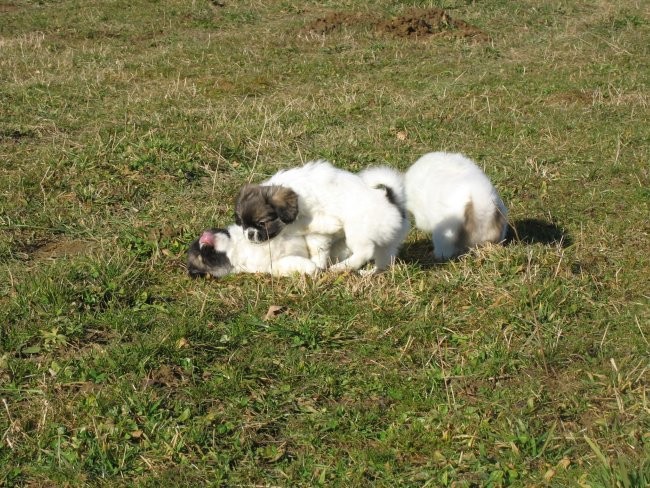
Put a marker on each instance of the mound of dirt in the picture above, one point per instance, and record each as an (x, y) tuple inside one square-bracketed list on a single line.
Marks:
[(427, 22), (417, 23)]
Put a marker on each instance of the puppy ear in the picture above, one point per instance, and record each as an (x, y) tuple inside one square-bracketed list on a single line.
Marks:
[(246, 193), (284, 201)]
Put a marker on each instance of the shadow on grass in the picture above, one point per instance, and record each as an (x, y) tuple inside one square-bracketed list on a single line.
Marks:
[(419, 253), (525, 231), (537, 231)]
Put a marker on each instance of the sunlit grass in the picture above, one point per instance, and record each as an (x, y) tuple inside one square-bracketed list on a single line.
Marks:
[(127, 128)]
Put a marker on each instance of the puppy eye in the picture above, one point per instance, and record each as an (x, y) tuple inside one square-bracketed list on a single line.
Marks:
[(262, 223), (237, 219)]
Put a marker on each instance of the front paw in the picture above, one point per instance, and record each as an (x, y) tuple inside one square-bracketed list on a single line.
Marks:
[(339, 268), (369, 272), (319, 263)]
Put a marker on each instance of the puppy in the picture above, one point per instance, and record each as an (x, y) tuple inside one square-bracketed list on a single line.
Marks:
[(452, 198), (219, 252), (325, 204)]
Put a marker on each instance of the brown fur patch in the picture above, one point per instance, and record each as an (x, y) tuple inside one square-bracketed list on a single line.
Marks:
[(284, 200), (467, 231), (499, 221)]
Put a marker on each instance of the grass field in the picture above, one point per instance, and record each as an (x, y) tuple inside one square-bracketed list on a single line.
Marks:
[(128, 127)]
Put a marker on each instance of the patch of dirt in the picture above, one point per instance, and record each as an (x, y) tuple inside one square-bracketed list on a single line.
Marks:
[(571, 97), (59, 249), (166, 376), (334, 21), (10, 7), (417, 23), (428, 22)]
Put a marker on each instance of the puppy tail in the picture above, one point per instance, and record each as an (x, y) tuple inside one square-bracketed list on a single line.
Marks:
[(391, 180)]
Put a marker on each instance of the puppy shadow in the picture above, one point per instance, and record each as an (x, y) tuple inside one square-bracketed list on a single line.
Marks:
[(525, 231), (537, 231), (419, 253)]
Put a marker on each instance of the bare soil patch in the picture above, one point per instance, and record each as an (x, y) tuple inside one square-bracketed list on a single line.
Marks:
[(336, 20), (428, 22), (58, 249), (417, 23), (9, 7)]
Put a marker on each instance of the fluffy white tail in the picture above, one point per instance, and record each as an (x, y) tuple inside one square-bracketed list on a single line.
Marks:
[(391, 179)]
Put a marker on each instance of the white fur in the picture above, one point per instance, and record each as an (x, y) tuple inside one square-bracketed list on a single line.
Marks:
[(335, 204), (282, 256), (383, 175), (439, 185)]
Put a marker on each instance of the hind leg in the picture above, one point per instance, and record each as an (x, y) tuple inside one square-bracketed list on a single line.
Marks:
[(361, 249), (383, 257), (445, 242), (319, 246)]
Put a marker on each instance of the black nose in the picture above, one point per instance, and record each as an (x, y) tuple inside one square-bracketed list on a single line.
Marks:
[(251, 234)]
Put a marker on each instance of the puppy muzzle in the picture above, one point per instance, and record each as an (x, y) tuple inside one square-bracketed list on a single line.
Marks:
[(253, 235)]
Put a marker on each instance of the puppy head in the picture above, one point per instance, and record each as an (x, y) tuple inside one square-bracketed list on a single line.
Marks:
[(207, 254), (263, 211)]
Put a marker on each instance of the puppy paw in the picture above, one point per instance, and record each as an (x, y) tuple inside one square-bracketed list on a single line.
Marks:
[(338, 268), (372, 271)]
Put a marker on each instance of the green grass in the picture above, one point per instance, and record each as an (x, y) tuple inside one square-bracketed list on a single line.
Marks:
[(128, 127)]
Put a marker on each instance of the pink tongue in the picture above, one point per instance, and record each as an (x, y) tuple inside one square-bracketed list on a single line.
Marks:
[(206, 239)]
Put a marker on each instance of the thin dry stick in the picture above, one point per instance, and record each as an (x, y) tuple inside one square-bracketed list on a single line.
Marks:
[(636, 319), (259, 144), (6, 434), (271, 261), (602, 341)]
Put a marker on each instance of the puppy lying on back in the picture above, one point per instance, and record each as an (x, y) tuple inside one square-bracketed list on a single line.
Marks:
[(219, 252), (325, 204), (452, 198)]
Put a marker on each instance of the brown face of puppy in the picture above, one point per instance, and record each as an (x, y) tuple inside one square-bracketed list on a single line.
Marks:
[(263, 211)]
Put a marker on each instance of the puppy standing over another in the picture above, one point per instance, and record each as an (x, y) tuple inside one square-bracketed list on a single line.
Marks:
[(452, 198), (325, 204)]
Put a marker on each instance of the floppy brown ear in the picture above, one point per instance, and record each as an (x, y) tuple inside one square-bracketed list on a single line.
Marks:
[(247, 196), (284, 201), (246, 193)]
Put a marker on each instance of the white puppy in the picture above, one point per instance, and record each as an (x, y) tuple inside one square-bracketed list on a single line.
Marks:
[(452, 198), (325, 204), (219, 252)]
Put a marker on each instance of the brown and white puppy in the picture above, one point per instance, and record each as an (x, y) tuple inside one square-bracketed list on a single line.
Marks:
[(452, 199), (325, 204)]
